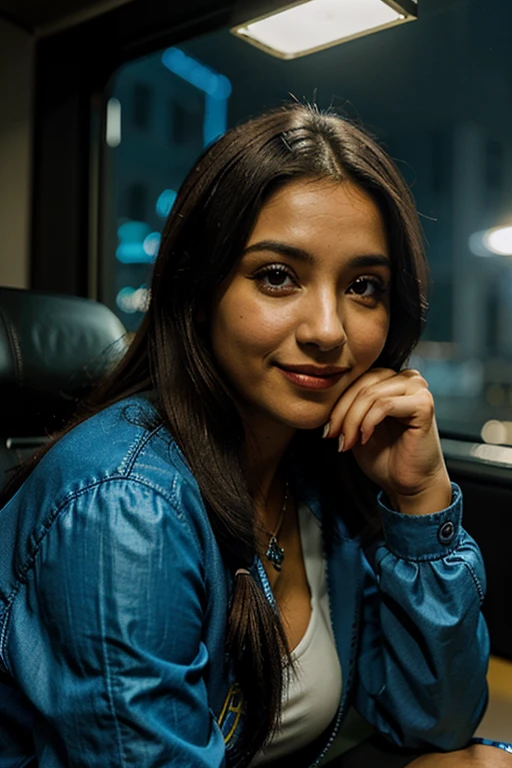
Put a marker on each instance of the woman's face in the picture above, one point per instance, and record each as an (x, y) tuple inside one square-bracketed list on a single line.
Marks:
[(305, 310)]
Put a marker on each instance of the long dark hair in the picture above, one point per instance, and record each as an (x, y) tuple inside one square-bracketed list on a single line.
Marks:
[(204, 235)]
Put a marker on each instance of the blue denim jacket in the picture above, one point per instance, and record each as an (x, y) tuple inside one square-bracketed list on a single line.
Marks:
[(113, 604)]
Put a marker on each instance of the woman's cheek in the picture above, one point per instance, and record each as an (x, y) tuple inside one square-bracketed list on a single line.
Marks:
[(367, 343)]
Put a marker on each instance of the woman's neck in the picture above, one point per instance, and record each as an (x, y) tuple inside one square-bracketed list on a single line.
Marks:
[(263, 469)]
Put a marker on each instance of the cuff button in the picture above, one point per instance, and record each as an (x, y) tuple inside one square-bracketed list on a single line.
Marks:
[(446, 533)]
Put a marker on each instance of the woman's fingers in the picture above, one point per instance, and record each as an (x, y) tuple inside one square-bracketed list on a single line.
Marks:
[(388, 419), (407, 408), (367, 381), (376, 396)]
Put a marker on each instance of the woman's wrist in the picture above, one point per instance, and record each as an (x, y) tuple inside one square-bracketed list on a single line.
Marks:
[(434, 498)]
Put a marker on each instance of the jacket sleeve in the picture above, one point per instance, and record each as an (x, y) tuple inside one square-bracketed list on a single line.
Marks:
[(115, 612), (424, 643)]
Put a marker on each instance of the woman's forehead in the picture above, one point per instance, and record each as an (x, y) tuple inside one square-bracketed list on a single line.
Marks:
[(319, 215)]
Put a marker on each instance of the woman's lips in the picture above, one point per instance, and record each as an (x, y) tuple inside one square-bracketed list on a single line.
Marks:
[(312, 381)]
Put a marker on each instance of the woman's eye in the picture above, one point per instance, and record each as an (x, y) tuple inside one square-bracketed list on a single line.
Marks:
[(275, 278), (367, 287)]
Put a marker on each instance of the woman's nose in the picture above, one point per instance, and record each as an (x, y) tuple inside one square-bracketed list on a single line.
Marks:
[(322, 324)]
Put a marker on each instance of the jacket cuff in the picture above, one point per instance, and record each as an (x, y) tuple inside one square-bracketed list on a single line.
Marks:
[(422, 537)]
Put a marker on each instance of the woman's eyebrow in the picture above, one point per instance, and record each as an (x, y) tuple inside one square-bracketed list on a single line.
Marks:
[(370, 260), (358, 262), (283, 248)]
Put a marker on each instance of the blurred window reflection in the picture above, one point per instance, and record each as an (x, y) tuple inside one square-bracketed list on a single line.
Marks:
[(136, 202), (141, 106)]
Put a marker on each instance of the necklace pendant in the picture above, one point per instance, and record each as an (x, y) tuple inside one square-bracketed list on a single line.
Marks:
[(275, 553)]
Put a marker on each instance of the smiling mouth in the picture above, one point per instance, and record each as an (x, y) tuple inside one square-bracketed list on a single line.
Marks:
[(312, 377)]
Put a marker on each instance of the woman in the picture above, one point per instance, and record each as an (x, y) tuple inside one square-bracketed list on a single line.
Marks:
[(200, 572)]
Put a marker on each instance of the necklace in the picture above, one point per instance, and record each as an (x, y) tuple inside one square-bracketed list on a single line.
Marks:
[(275, 553)]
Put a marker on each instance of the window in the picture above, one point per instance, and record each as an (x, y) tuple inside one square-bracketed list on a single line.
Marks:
[(141, 106), (185, 124), (178, 123), (425, 90), (136, 202), (494, 162)]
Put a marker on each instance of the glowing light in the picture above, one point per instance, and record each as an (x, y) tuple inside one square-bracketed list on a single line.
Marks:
[(131, 300), (499, 240), (113, 123), (151, 244), (130, 231), (216, 87), (477, 245), (191, 70), (493, 453), (497, 432), (165, 202), (132, 235), (317, 24), (131, 253)]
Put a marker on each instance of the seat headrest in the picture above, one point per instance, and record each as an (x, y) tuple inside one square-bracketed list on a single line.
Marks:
[(52, 349)]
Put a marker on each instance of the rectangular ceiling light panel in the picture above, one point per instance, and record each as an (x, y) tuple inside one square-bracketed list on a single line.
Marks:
[(315, 24)]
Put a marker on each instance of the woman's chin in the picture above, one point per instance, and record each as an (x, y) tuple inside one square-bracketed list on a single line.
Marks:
[(309, 427), (309, 421)]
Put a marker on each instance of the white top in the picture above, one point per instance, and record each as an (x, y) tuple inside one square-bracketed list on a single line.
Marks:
[(311, 697)]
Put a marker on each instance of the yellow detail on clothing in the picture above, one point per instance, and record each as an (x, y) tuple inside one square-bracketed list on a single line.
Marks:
[(233, 705)]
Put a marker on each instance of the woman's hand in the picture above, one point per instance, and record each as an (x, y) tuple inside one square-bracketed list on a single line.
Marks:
[(387, 420)]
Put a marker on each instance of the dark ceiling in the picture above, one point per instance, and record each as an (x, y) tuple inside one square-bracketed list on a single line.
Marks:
[(48, 16)]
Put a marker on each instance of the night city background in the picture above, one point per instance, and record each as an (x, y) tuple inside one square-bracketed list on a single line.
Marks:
[(437, 93)]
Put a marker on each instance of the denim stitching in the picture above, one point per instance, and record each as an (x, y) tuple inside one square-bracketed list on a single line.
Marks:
[(23, 571), (476, 581), (47, 526), (4, 662), (168, 493), (110, 696), (425, 558), (135, 450), (75, 495), (470, 568)]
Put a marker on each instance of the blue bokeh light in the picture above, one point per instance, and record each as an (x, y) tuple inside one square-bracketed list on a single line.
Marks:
[(216, 87), (165, 202), (191, 70), (132, 235)]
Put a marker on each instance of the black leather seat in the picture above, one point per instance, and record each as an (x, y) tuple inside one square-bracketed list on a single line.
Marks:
[(52, 349)]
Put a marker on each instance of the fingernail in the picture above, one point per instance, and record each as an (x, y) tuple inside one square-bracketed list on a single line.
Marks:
[(326, 431), (341, 442)]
